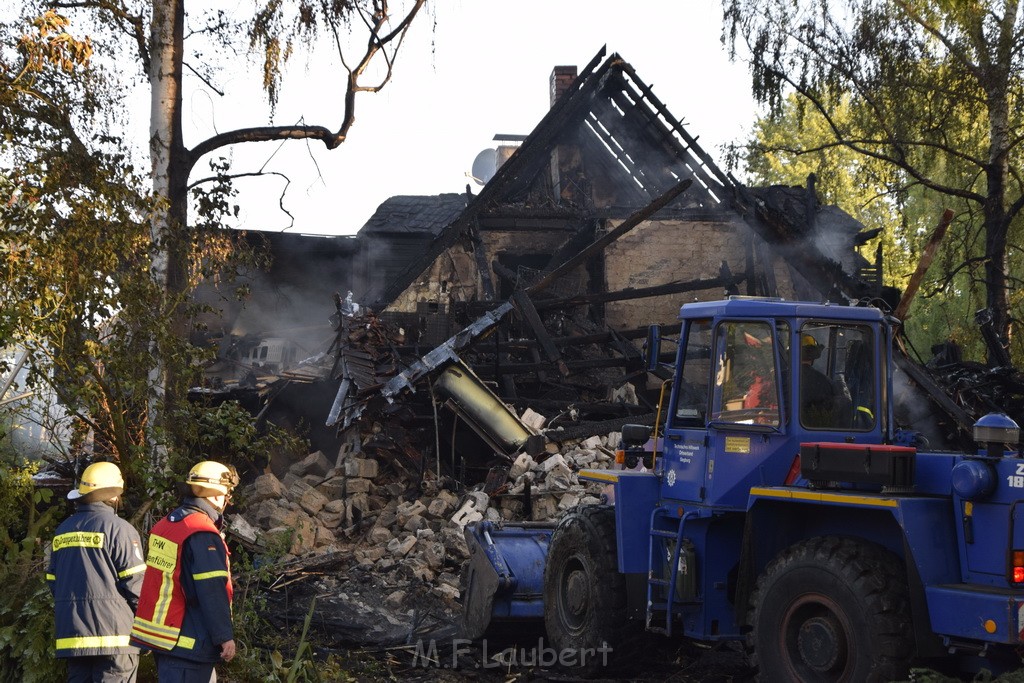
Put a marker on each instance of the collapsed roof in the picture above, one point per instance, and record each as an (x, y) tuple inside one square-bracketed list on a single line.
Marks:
[(608, 146)]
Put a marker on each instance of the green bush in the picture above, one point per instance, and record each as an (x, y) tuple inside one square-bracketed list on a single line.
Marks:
[(26, 608), (228, 433)]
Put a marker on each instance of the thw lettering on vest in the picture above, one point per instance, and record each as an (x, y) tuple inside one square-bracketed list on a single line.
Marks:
[(163, 554)]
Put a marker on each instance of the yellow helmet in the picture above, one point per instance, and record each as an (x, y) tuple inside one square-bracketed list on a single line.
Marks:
[(209, 478), (809, 347), (101, 478)]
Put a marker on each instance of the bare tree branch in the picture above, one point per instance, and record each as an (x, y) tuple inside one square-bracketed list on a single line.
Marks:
[(205, 80), (331, 139)]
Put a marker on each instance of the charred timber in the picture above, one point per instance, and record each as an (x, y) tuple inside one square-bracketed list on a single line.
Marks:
[(527, 309), (573, 365), (585, 408), (520, 344), (643, 292), (587, 429), (601, 243), (925, 381)]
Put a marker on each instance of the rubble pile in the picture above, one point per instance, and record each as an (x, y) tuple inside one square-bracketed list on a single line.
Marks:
[(383, 523)]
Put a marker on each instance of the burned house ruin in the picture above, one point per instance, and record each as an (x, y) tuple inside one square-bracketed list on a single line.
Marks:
[(492, 343), (538, 290), (538, 294)]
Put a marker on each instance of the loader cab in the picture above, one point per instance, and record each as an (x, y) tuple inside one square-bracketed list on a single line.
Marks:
[(753, 380)]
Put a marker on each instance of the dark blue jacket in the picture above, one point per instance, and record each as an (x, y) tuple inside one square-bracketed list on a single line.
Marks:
[(95, 574)]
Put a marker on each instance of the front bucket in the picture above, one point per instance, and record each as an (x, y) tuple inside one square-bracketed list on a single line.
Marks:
[(505, 574)]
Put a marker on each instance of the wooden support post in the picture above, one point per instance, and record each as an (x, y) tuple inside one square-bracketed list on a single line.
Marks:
[(504, 273), (481, 262)]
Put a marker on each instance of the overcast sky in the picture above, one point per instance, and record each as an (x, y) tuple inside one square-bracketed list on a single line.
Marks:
[(470, 69)]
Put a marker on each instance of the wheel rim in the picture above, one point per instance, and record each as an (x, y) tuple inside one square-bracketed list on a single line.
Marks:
[(573, 596), (817, 641)]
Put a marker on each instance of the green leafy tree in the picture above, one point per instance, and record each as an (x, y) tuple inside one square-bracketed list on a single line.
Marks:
[(72, 238), (273, 31), (104, 242), (932, 89), (793, 142)]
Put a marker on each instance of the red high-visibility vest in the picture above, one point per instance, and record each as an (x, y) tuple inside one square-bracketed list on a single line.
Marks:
[(161, 608)]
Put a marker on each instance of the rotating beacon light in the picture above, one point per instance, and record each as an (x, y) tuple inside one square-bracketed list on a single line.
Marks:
[(998, 433), (974, 478)]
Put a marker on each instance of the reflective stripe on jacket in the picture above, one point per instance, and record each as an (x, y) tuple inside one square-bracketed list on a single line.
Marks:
[(185, 605), (95, 573)]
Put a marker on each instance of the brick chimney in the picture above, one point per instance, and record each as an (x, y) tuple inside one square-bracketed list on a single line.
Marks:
[(562, 78), (567, 177)]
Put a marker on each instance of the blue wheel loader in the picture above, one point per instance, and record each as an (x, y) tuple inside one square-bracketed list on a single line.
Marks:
[(778, 504)]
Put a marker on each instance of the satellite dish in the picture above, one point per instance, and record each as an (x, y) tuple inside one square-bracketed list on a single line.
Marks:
[(485, 166)]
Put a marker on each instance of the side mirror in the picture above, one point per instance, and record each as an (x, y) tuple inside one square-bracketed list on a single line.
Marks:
[(653, 349), (635, 435)]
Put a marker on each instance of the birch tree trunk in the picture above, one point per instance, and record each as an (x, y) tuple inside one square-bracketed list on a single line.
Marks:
[(169, 169)]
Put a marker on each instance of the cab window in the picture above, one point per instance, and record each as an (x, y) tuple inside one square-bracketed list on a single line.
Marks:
[(746, 388), (691, 391), (837, 377)]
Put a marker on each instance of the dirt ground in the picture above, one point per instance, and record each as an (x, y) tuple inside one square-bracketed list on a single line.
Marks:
[(416, 638), (391, 627)]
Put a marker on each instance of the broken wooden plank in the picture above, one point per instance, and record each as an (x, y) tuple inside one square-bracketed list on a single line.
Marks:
[(578, 340), (573, 365), (505, 273), (526, 308), (481, 262), (584, 430), (924, 380), (643, 292)]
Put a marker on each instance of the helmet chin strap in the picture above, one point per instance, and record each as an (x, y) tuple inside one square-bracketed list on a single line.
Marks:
[(220, 501)]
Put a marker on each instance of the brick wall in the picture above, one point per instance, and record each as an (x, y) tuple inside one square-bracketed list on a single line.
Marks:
[(654, 253), (660, 252), (451, 277)]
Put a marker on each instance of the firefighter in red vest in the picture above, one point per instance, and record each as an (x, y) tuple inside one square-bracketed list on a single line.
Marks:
[(184, 612), (95, 573)]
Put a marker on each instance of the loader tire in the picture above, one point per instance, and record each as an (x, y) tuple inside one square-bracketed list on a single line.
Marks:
[(584, 593), (831, 609)]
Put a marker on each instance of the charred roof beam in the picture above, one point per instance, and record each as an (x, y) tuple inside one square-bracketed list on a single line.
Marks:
[(644, 292), (520, 164), (635, 219), (529, 313)]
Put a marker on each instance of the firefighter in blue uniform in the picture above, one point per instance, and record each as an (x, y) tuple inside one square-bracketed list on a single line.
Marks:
[(95, 574), (184, 612)]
